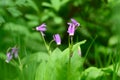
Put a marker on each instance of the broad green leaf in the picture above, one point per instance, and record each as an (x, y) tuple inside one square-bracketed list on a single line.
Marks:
[(41, 70), (76, 65), (62, 71), (92, 73), (56, 66), (36, 57)]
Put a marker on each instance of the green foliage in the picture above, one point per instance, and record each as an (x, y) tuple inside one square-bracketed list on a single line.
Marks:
[(56, 68), (18, 19)]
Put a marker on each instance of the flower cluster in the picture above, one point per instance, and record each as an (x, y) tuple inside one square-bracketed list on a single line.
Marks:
[(13, 52), (56, 37), (71, 30)]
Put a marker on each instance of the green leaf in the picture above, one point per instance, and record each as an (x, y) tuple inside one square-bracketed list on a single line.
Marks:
[(14, 11), (16, 28), (2, 20), (113, 40), (31, 17), (40, 73), (33, 5), (36, 57), (92, 73), (56, 4), (2, 56), (56, 67), (46, 4)]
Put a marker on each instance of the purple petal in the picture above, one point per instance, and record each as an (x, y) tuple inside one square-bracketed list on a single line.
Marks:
[(75, 22), (42, 27), (57, 39), (15, 52), (71, 29), (9, 57)]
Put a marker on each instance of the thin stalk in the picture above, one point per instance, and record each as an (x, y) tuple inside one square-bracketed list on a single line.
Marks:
[(20, 64), (70, 55), (89, 48), (47, 47), (21, 68), (50, 45)]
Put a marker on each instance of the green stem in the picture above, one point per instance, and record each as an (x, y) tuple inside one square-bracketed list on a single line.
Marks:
[(47, 47), (70, 55), (20, 64), (90, 47), (21, 69), (50, 45)]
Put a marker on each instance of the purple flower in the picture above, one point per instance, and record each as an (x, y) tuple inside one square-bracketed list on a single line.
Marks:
[(14, 51), (72, 27), (9, 57), (57, 39), (41, 28)]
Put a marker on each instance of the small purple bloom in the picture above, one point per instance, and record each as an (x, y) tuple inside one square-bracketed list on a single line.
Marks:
[(14, 51), (41, 28), (9, 57), (57, 39), (72, 27)]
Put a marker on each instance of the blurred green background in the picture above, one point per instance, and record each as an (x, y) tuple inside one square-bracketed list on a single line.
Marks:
[(99, 20)]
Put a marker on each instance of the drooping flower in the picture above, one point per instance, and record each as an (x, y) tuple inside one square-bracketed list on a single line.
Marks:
[(72, 27), (14, 51), (9, 57), (41, 28), (57, 39)]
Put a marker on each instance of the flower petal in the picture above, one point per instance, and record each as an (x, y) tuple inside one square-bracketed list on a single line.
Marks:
[(71, 29), (42, 27), (9, 57), (75, 22), (57, 39)]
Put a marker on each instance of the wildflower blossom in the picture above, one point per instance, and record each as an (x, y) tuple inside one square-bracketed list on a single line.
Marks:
[(72, 27), (57, 39), (9, 57), (41, 28), (13, 52)]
